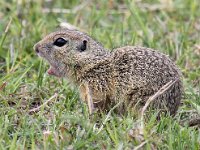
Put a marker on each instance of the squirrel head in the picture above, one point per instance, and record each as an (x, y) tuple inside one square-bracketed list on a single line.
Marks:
[(67, 50)]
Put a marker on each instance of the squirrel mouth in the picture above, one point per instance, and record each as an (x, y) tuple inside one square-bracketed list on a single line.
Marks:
[(53, 71)]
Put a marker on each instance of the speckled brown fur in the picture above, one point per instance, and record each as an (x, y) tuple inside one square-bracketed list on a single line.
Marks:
[(129, 74)]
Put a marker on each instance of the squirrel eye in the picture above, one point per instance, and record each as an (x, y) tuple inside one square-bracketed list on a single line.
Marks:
[(60, 42)]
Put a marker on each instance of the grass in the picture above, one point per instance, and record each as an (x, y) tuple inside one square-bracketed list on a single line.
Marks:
[(172, 27)]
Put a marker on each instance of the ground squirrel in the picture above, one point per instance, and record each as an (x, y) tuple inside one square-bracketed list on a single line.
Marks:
[(130, 74)]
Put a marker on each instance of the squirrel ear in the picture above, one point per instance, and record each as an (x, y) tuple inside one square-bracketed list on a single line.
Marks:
[(83, 46)]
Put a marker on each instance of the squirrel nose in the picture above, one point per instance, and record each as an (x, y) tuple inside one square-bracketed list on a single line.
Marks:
[(36, 48)]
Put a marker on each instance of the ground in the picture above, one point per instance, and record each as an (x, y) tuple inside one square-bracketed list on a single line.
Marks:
[(60, 119)]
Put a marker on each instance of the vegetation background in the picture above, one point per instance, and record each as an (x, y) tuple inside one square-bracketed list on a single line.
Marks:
[(62, 121)]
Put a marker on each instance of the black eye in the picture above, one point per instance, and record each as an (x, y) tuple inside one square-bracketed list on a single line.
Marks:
[(60, 42)]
